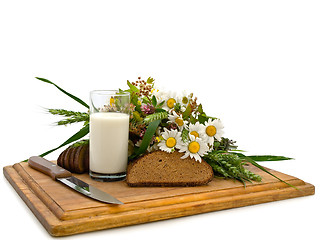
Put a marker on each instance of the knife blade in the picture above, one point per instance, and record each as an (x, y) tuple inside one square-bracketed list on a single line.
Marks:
[(64, 176)]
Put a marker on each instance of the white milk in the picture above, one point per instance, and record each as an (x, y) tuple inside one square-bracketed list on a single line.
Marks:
[(109, 133)]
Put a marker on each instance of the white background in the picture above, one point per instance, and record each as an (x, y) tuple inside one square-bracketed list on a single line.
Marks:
[(254, 64)]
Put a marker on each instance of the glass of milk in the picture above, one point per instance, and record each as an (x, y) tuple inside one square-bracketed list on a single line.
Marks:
[(109, 135)]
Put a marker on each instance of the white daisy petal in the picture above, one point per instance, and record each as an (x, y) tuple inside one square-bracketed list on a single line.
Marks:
[(185, 155), (197, 157)]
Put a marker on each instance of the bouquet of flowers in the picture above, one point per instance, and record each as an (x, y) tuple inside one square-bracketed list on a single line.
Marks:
[(167, 121)]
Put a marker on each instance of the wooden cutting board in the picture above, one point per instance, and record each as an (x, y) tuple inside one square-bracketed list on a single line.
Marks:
[(63, 211)]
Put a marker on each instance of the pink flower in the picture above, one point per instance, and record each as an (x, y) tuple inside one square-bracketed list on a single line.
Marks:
[(147, 108)]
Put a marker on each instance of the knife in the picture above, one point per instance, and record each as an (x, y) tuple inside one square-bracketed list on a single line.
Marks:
[(60, 174)]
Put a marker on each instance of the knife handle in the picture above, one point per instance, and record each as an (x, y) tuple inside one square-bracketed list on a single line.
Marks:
[(48, 168)]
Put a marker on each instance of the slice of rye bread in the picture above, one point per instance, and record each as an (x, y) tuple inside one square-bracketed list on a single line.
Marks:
[(162, 169), (75, 159)]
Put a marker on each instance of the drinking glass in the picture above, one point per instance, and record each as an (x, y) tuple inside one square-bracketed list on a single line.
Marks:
[(109, 134)]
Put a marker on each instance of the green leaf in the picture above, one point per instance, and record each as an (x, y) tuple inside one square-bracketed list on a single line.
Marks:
[(65, 92), (132, 87), (161, 104), (135, 102), (254, 163), (154, 101), (145, 100), (150, 80), (236, 150), (187, 112), (177, 107), (202, 118), (193, 120), (160, 110), (152, 127), (81, 133), (200, 109), (262, 158)]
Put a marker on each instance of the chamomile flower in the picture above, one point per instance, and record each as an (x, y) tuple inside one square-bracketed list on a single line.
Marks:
[(171, 140), (170, 100), (213, 129), (197, 130), (195, 148), (177, 119), (185, 98)]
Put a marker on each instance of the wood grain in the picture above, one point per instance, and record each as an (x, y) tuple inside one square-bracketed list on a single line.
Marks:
[(65, 212)]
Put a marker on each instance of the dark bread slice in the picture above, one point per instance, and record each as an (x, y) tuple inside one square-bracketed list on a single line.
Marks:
[(164, 169), (61, 159), (80, 158), (75, 159), (66, 162), (70, 159)]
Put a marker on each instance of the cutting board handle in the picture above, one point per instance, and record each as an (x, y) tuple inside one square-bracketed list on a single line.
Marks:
[(48, 168)]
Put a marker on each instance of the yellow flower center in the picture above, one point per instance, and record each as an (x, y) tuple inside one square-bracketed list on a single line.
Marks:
[(171, 102), (171, 142), (194, 133), (211, 130), (179, 121), (111, 101), (194, 147)]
